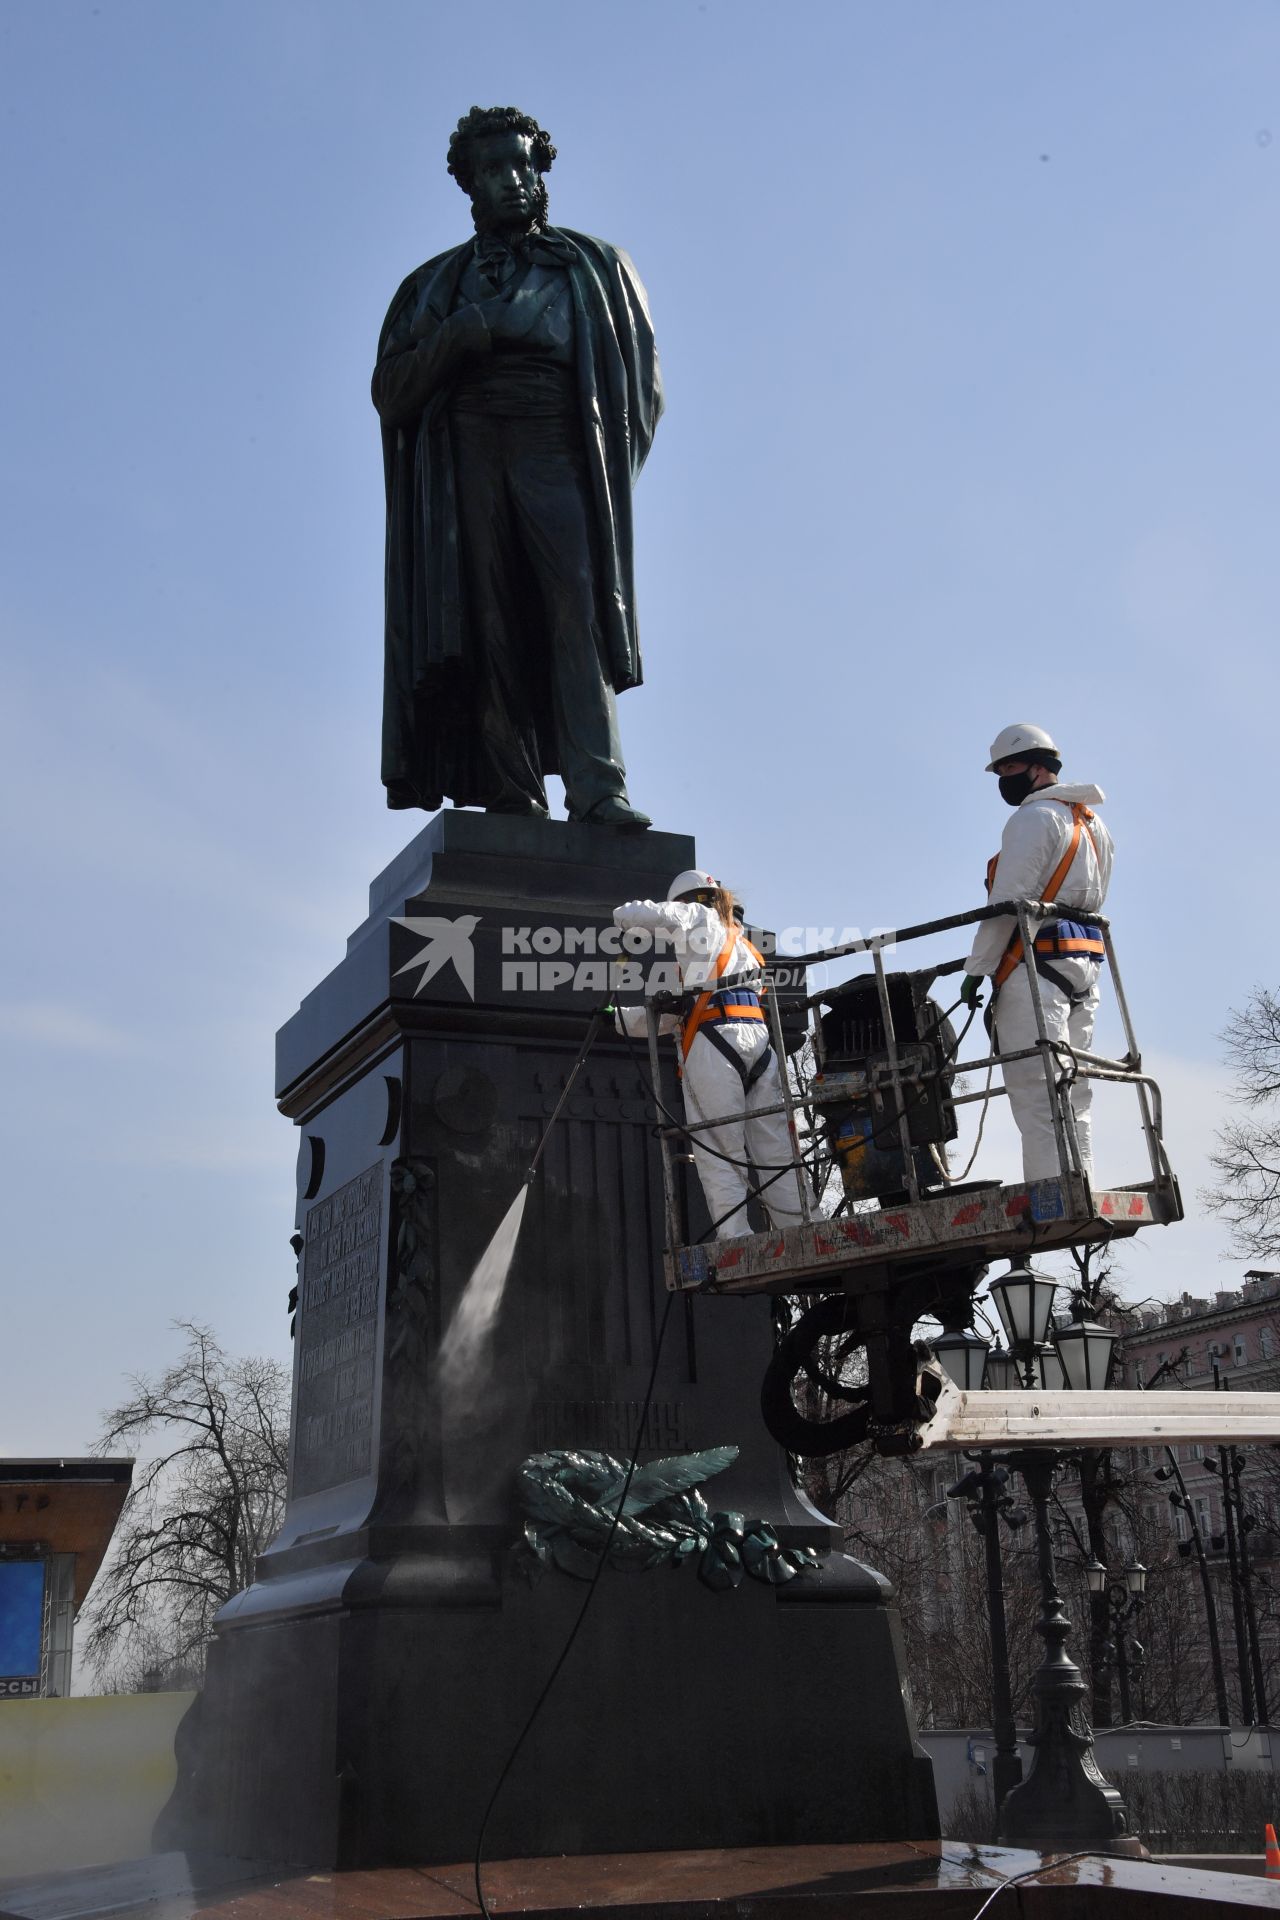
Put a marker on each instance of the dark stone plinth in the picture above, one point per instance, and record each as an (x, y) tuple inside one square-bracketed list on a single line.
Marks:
[(365, 1691)]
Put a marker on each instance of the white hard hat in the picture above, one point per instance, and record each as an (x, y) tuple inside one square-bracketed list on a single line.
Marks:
[(1021, 738), (692, 880)]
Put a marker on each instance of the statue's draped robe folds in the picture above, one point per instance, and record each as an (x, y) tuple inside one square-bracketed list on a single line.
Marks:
[(431, 743)]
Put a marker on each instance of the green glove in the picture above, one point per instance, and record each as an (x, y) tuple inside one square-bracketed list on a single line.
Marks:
[(970, 991)]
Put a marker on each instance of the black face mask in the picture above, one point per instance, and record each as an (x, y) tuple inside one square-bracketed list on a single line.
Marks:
[(1014, 787)]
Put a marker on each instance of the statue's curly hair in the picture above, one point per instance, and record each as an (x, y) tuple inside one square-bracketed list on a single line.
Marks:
[(482, 120)]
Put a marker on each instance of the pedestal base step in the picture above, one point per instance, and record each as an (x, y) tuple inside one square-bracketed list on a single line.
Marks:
[(902, 1879)]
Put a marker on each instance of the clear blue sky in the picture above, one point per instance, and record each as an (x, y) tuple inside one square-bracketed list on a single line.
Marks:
[(968, 316)]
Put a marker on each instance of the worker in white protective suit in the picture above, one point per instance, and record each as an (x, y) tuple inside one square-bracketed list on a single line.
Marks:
[(728, 1068), (1054, 848)]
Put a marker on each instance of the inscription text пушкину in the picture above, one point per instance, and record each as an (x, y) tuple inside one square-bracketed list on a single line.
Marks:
[(338, 1335)]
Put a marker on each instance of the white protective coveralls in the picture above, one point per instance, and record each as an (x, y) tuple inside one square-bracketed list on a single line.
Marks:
[(730, 1069), (1034, 844)]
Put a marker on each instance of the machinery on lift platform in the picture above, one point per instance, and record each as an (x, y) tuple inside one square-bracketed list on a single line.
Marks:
[(876, 1090)]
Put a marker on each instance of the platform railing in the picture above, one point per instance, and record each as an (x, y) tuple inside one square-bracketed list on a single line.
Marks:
[(1063, 1064)]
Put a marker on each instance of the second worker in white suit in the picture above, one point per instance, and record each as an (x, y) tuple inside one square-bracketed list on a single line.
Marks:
[(729, 1067), (1054, 848)]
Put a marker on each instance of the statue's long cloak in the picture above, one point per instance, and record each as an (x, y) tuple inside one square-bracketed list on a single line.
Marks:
[(430, 738)]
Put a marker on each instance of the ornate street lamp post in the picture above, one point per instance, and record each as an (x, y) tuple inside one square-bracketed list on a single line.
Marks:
[(1087, 1349), (965, 1357), (1237, 1526), (986, 1489), (1064, 1802), (1245, 1524), (1124, 1601), (1181, 1500)]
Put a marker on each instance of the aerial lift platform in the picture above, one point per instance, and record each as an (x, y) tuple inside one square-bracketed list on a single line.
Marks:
[(880, 1105), (872, 1095)]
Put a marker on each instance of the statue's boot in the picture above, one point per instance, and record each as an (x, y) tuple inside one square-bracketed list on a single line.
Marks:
[(615, 811)]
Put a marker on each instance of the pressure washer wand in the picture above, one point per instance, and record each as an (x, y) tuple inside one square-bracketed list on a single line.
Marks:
[(464, 1346), (605, 1012)]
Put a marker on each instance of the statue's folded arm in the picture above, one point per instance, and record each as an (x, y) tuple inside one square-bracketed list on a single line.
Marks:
[(409, 373)]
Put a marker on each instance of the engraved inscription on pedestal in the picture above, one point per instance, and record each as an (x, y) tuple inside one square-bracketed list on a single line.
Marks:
[(338, 1335)]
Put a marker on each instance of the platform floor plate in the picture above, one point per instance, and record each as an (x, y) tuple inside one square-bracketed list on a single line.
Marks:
[(961, 1228)]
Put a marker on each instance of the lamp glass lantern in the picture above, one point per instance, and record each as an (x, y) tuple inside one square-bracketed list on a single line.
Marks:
[(1086, 1350), (1096, 1574), (1051, 1374), (1024, 1301), (962, 1354), (1135, 1578), (1002, 1371)]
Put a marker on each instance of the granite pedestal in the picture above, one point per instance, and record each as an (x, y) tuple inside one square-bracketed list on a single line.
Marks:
[(365, 1691)]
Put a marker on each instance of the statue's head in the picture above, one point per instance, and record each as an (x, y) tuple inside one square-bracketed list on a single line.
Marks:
[(498, 156)]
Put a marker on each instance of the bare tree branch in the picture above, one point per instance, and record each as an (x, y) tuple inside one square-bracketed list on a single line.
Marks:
[(200, 1511), (1246, 1193), (1251, 1040)]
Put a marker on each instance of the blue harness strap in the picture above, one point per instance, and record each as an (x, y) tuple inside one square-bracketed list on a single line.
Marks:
[(1072, 940), (735, 1003), (1068, 940)]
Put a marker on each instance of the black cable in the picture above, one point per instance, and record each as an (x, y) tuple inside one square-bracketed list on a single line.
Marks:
[(1035, 1873), (754, 1192), (872, 1140), (565, 1651), (681, 1126), (776, 1169), (755, 1188), (949, 1056)]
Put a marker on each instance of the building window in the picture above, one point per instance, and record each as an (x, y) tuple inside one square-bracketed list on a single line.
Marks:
[(1268, 1343), (1180, 1526), (1242, 1352)]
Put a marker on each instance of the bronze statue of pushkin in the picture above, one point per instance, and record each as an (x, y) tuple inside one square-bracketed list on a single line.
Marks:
[(518, 388)]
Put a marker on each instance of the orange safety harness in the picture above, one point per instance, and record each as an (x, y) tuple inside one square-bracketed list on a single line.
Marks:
[(712, 1006), (1086, 941)]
